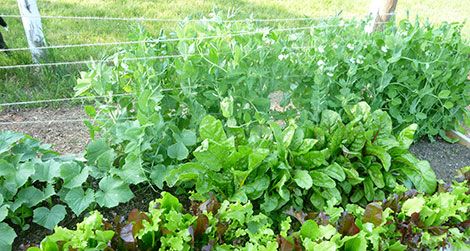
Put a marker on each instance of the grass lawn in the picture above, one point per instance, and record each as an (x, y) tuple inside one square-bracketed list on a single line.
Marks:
[(20, 85)]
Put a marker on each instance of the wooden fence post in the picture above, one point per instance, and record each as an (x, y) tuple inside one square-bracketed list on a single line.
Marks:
[(33, 28), (381, 11)]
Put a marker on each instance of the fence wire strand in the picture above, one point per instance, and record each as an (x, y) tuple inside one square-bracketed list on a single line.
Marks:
[(245, 33)]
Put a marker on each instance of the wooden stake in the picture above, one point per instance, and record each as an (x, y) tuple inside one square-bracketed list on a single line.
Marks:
[(381, 12), (33, 28)]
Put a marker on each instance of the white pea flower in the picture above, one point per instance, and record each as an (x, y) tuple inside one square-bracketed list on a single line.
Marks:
[(321, 63), (341, 23), (384, 49), (330, 74), (335, 46), (360, 59), (282, 56), (350, 46), (352, 60), (321, 49)]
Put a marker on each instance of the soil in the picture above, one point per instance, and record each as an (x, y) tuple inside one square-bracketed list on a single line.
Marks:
[(72, 137), (445, 158), (48, 126)]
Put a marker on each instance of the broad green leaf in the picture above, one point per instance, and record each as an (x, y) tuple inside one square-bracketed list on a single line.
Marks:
[(78, 200), (310, 230), (8, 140), (359, 111), (49, 218), (375, 174), (211, 128), (381, 154), (226, 106), (112, 192), (368, 189), (413, 205), (322, 180), (330, 119), (29, 196), (3, 211), (335, 171), (178, 151), (288, 135), (188, 137), (406, 136), (170, 202), (426, 180), (444, 94), (132, 172), (303, 179), (7, 236), (159, 174), (358, 243), (73, 175), (46, 171)]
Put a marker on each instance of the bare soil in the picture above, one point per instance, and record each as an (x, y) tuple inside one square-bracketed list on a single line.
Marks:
[(61, 127)]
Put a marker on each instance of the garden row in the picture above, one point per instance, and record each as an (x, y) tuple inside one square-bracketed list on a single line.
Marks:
[(199, 123)]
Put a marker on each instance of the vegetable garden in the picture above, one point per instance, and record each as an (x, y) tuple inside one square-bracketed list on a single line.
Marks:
[(254, 138)]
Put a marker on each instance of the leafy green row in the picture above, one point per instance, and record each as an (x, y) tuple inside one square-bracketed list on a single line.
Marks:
[(415, 71), (407, 220), (355, 159), (38, 183)]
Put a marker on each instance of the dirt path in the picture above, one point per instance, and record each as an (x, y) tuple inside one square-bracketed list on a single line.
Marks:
[(66, 137)]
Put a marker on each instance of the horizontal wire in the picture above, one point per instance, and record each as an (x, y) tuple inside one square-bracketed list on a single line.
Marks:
[(61, 99), (149, 19), (58, 121), (162, 40), (91, 61)]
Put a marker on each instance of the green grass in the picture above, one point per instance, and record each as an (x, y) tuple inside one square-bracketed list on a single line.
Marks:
[(54, 82)]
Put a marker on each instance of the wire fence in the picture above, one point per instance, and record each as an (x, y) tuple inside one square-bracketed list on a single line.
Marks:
[(137, 19)]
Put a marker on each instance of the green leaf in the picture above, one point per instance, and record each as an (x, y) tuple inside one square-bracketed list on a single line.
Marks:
[(47, 171), (159, 174), (444, 94), (113, 191), (132, 172), (211, 128), (303, 179), (188, 137), (358, 243), (288, 135), (381, 154), (178, 151), (78, 200), (73, 175), (226, 106), (7, 236), (425, 180), (310, 230), (8, 140), (413, 205), (335, 171), (406, 136), (376, 175), (322, 180), (368, 189), (170, 202), (29, 196), (49, 218)]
